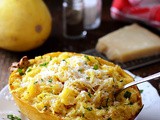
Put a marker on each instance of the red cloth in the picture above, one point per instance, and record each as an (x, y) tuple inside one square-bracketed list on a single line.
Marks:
[(147, 11)]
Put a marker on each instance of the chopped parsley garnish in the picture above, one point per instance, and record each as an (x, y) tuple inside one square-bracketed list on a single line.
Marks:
[(141, 91), (89, 108), (35, 82), (87, 77), (9, 116), (50, 58), (80, 70), (44, 64), (42, 80), (29, 69), (95, 67), (87, 57), (50, 80), (20, 71), (127, 94), (89, 94), (129, 103), (13, 117), (121, 80)]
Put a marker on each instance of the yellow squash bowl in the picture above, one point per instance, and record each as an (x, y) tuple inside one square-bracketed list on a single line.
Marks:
[(72, 86)]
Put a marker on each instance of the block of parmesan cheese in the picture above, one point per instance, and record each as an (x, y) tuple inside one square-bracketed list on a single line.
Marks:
[(129, 43)]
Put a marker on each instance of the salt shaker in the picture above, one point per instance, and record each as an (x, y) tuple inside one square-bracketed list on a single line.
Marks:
[(92, 13), (73, 19)]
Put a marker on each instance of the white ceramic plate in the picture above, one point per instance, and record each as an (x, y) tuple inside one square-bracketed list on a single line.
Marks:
[(150, 99)]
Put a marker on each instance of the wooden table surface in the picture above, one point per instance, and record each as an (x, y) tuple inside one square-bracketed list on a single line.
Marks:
[(56, 42)]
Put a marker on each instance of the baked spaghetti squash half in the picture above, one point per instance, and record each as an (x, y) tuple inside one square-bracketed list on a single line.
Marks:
[(72, 86)]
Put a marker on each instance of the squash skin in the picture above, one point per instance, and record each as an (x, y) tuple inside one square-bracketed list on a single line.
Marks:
[(24, 29), (33, 114)]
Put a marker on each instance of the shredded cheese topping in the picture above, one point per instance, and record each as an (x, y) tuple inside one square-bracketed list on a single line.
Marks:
[(77, 87)]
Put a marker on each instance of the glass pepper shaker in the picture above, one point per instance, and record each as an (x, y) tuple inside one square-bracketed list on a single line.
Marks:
[(73, 19)]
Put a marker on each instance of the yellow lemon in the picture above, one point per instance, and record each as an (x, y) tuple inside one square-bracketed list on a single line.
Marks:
[(24, 24)]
